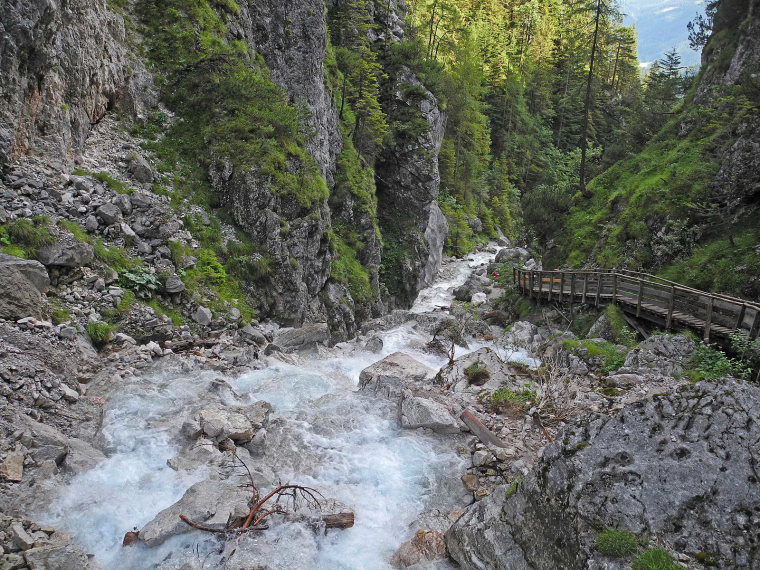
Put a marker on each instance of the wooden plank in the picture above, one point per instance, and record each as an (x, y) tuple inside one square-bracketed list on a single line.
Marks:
[(531, 286), (562, 286), (614, 288), (481, 431), (640, 299), (540, 284), (755, 325), (585, 287), (598, 288), (740, 318)]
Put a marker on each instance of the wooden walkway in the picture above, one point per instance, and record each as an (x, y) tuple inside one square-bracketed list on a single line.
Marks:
[(659, 301)]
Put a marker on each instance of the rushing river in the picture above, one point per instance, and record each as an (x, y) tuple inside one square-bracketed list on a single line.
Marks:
[(351, 449)]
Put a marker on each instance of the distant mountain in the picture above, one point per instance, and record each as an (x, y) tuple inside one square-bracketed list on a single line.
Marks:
[(661, 25)]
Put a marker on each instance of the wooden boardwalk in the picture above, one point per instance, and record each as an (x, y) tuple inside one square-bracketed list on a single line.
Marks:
[(656, 300)]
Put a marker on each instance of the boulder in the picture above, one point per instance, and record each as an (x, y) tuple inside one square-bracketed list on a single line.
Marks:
[(124, 203), (474, 372), (140, 169), (174, 284), (308, 336), (252, 335), (109, 213), (526, 335), (419, 412), (210, 502), (57, 557), (426, 545), (678, 469), (202, 315), (22, 283), (512, 254), (662, 354), (12, 467), (478, 299), (220, 424), (389, 376), (66, 254)]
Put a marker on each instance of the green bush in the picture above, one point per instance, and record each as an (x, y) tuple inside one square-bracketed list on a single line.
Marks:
[(100, 332), (505, 398), (655, 559), (616, 543), (712, 364), (141, 280), (23, 237), (347, 269), (611, 355), (477, 374)]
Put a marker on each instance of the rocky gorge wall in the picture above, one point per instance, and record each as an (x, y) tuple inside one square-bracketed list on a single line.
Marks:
[(67, 67)]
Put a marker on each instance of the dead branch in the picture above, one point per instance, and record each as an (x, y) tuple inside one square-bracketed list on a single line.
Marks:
[(218, 529)]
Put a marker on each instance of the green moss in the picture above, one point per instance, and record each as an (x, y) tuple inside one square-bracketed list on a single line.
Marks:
[(616, 543), (622, 333), (163, 309), (612, 356), (655, 559), (60, 314), (477, 374), (513, 488), (23, 237), (116, 185)]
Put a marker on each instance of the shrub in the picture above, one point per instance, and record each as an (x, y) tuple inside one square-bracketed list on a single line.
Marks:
[(711, 364), (505, 398), (100, 332), (476, 374), (616, 543), (141, 280), (116, 185), (25, 237), (611, 355), (655, 559)]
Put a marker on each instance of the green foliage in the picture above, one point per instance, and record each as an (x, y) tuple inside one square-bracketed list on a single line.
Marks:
[(747, 351), (622, 333), (505, 399), (100, 333), (162, 309), (655, 559), (460, 239), (612, 356), (347, 269), (60, 314), (141, 280), (477, 374), (116, 185), (711, 364), (23, 237), (229, 108), (616, 543)]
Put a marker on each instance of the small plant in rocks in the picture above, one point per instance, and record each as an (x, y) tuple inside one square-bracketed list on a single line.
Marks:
[(655, 559), (616, 543)]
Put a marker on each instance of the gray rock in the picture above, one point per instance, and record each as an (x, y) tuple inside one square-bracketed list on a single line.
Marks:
[(340, 308), (679, 469), (64, 253), (91, 224), (140, 169), (496, 372), (389, 376), (374, 344), (302, 338), (174, 284), (220, 424), (202, 316), (22, 539), (512, 255), (124, 203), (478, 299), (419, 412), (22, 283), (57, 557), (67, 332), (662, 354), (252, 335), (210, 502), (109, 213)]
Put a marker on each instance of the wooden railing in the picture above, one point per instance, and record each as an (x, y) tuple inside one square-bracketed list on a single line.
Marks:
[(665, 303)]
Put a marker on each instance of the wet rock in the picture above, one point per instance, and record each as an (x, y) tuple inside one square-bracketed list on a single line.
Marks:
[(202, 316), (208, 502), (426, 545), (220, 424), (57, 557), (476, 371), (252, 335), (374, 344), (419, 412), (303, 338), (389, 376)]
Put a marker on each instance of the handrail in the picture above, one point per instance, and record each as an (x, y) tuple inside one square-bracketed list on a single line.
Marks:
[(657, 299)]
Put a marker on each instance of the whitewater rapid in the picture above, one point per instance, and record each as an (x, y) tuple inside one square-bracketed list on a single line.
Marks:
[(352, 450)]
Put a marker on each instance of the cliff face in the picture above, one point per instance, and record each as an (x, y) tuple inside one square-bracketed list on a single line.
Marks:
[(67, 66)]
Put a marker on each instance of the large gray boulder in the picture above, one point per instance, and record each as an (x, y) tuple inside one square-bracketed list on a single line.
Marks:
[(419, 412), (389, 376), (680, 469), (303, 338), (66, 253), (209, 502), (661, 355), (474, 372), (57, 557), (23, 283), (220, 424)]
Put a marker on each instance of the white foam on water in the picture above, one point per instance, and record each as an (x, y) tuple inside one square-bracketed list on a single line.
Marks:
[(354, 452)]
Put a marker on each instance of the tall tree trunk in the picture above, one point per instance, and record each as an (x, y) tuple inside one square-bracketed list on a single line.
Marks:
[(587, 104)]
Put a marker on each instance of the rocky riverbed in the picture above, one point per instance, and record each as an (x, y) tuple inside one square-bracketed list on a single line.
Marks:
[(485, 455)]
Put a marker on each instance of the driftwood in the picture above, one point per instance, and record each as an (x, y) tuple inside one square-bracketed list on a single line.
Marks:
[(481, 431), (339, 520)]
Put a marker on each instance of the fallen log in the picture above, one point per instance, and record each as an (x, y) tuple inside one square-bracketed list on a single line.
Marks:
[(338, 520), (481, 431)]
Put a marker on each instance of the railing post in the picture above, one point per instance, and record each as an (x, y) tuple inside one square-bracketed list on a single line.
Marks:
[(572, 293), (671, 305), (530, 285), (515, 274), (614, 288), (598, 288), (740, 319), (755, 325), (540, 284), (640, 298), (551, 286), (708, 322), (562, 285), (585, 287)]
